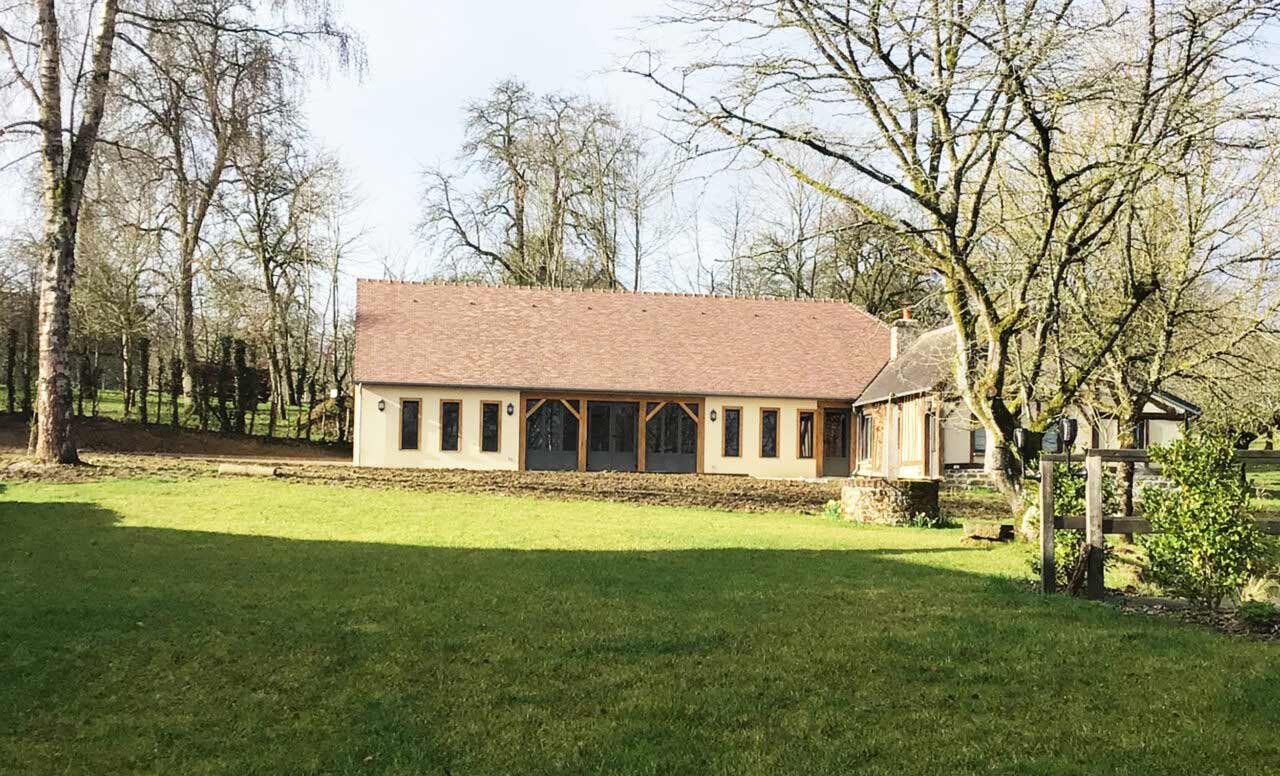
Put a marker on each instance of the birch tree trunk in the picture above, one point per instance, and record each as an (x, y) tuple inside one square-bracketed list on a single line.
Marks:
[(63, 176)]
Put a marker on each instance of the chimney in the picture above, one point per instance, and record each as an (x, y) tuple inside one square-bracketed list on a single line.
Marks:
[(902, 333)]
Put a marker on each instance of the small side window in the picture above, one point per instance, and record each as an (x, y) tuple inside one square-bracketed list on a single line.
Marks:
[(769, 433), (490, 427), (732, 432), (450, 425), (410, 415), (804, 446)]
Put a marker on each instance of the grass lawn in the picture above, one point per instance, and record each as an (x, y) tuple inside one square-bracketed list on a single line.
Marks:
[(259, 627), (111, 405)]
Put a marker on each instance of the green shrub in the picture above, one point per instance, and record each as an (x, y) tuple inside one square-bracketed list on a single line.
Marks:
[(924, 520), (1259, 614), (831, 510), (1204, 545)]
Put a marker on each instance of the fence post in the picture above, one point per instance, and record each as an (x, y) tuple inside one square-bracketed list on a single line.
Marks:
[(1093, 524), (1048, 565)]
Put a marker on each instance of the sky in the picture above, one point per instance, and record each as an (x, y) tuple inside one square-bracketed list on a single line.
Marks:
[(427, 60)]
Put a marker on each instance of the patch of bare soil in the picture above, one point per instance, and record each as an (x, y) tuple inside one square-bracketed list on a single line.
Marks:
[(1225, 621), (739, 494), (104, 435)]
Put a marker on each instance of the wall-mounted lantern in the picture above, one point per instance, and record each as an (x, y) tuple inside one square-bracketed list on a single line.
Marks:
[(1070, 428), (713, 416), (382, 404), (511, 408)]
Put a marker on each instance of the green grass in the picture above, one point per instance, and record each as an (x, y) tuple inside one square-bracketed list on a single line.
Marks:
[(111, 405), (259, 627)]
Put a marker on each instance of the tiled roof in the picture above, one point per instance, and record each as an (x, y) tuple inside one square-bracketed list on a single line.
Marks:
[(922, 367), (618, 342)]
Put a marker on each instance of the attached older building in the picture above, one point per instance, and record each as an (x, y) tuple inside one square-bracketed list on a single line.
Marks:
[(909, 424), (484, 377)]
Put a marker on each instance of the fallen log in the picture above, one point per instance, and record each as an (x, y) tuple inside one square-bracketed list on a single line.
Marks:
[(247, 470)]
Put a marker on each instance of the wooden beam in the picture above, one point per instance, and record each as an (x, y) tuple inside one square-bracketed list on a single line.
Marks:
[(524, 422), (819, 431), (1093, 525), (649, 416), (1137, 525), (702, 442), (571, 410), (688, 412), (582, 438), (535, 408), (1048, 560), (641, 439)]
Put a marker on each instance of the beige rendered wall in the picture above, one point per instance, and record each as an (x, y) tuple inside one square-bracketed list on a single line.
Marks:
[(377, 439), (787, 464)]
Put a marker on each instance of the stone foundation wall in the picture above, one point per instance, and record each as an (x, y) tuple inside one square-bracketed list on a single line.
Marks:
[(965, 479), (888, 502)]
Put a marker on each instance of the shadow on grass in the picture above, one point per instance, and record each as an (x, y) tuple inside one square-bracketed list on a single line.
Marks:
[(154, 650)]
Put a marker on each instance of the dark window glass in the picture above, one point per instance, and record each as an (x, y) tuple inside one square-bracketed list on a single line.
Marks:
[(490, 417), (623, 431), (450, 416), (769, 434), (806, 435), (552, 428), (598, 428), (732, 432), (672, 431), (835, 435), (689, 431), (979, 441), (409, 410)]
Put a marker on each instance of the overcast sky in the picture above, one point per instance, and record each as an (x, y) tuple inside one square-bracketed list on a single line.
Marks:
[(427, 60)]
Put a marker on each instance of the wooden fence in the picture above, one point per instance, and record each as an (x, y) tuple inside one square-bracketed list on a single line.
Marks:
[(1094, 523)]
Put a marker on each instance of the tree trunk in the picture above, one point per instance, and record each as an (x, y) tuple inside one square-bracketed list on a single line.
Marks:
[(55, 437), (29, 365), (144, 376), (126, 370), (63, 181), (10, 362), (175, 390)]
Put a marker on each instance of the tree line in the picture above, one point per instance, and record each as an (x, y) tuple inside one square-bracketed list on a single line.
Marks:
[(1086, 195), (185, 209)]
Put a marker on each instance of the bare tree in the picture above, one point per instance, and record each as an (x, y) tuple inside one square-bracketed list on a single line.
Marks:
[(550, 190), (952, 125)]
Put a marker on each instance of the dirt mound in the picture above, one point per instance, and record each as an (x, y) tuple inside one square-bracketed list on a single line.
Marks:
[(712, 491), (740, 494), (104, 435)]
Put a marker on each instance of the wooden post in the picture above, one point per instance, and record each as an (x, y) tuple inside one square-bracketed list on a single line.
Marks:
[(1093, 525), (1048, 564), (642, 435)]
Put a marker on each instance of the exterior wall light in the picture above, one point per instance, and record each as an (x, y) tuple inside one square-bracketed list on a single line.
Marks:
[(382, 404), (511, 408), (713, 416)]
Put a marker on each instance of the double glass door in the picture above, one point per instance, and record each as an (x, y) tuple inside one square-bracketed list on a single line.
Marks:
[(612, 429)]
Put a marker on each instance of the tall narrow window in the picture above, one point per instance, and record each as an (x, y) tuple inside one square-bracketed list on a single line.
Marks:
[(450, 425), (804, 446), (490, 426), (978, 444), (410, 413), (866, 436), (732, 432), (769, 433)]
